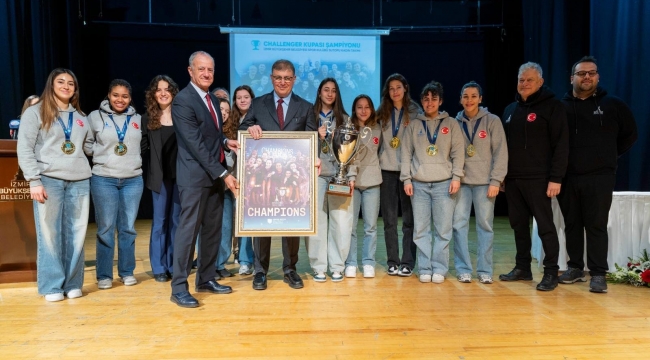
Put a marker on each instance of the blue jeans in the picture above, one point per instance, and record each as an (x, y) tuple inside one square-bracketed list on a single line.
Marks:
[(166, 209), (225, 245), (484, 213), (61, 224), (368, 201), (432, 199), (332, 241), (116, 207)]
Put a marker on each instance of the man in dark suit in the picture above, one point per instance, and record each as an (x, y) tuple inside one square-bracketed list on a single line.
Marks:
[(279, 110), (201, 175)]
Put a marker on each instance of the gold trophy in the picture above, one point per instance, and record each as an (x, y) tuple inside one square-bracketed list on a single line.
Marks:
[(344, 143)]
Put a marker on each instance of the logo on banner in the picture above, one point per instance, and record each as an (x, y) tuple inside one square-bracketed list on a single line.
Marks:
[(482, 134), (531, 117), (256, 44)]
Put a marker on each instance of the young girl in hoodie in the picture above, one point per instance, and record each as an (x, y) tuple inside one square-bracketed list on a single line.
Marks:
[(486, 164), (431, 169), (395, 113), (116, 184), (334, 212), (50, 153), (366, 174)]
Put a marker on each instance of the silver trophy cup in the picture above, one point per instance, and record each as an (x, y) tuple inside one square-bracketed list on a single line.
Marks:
[(344, 143)]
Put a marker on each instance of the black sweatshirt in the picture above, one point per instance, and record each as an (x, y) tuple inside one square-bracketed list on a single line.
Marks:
[(601, 128), (538, 139)]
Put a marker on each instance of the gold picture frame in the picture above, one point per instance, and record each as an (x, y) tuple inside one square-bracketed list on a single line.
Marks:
[(277, 184)]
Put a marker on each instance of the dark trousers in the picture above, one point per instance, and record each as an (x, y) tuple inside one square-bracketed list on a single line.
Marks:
[(526, 198), (585, 202), (201, 210), (262, 250), (166, 212), (391, 198)]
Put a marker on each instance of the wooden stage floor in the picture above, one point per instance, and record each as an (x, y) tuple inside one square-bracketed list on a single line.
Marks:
[(382, 318)]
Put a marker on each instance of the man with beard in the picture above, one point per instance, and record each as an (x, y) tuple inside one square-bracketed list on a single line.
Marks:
[(601, 128)]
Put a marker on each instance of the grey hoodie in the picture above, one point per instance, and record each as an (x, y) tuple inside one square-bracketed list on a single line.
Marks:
[(39, 151), (447, 164), (490, 163), (365, 170), (389, 158), (105, 162)]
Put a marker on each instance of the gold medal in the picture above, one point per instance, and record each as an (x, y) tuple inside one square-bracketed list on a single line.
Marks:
[(394, 142), (324, 148), (68, 147), (120, 149), (471, 150), (432, 150)]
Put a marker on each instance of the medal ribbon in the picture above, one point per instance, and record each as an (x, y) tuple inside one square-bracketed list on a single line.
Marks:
[(399, 121), (66, 131), (121, 133), (324, 117), (471, 138), (432, 140)]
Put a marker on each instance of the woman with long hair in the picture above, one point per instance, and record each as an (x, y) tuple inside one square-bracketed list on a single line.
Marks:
[(486, 165), (332, 241), (159, 138), (116, 184), (51, 142), (395, 113), (241, 102), (366, 174)]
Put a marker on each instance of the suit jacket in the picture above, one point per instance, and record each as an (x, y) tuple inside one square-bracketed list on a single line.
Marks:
[(152, 142), (199, 140), (262, 112)]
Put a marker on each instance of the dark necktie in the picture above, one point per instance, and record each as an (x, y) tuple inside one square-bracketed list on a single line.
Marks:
[(280, 111), (216, 123)]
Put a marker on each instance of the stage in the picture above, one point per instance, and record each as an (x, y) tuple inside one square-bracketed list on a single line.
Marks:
[(385, 317)]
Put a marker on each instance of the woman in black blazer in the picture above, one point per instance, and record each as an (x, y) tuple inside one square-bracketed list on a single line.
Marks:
[(159, 138)]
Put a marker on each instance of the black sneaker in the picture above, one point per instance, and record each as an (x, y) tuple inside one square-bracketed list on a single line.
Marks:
[(392, 270), (548, 283), (598, 284), (405, 271), (572, 275), (517, 274)]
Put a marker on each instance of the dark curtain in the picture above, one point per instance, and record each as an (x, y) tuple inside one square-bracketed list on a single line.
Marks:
[(620, 39)]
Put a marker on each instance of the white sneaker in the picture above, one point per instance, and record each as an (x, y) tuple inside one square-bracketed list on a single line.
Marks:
[(75, 293), (368, 271), (105, 283), (54, 297), (464, 278), (425, 278), (437, 278), (245, 270), (337, 276), (484, 279), (351, 271), (129, 280), (319, 276)]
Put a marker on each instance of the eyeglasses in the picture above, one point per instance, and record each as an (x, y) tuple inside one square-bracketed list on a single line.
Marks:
[(591, 73), (280, 78)]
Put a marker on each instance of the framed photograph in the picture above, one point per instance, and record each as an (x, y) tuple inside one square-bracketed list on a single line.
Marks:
[(277, 181)]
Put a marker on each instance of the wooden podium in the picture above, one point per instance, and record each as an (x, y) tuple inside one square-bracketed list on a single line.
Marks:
[(17, 229)]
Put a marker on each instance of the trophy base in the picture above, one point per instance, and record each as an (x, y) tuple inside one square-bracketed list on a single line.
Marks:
[(339, 190)]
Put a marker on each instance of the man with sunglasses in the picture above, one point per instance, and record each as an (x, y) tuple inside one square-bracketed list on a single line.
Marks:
[(601, 128), (279, 110)]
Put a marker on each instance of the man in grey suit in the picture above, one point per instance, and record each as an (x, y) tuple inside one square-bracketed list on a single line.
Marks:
[(279, 110), (201, 176)]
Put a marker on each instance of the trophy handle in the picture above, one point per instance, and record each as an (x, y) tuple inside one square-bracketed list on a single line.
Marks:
[(329, 138), (364, 135)]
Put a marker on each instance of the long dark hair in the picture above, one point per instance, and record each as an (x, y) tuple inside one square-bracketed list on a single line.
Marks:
[(49, 109), (386, 105), (230, 126), (153, 109), (372, 120), (235, 111), (337, 108)]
